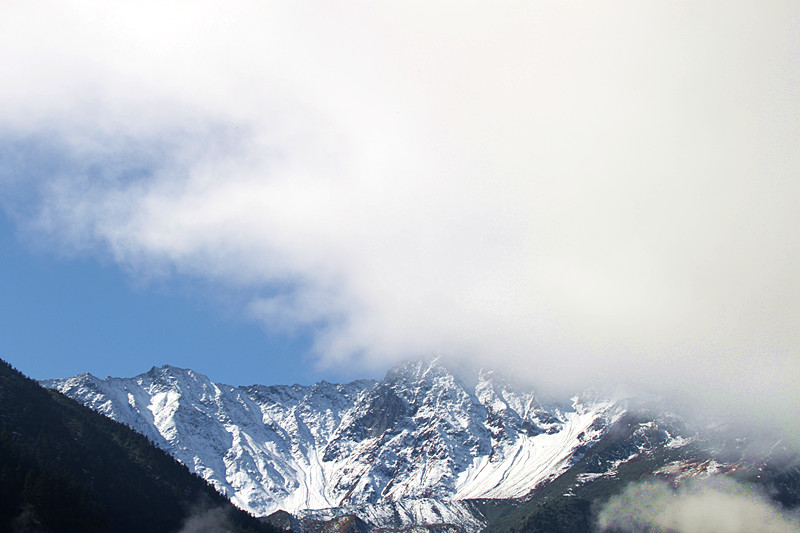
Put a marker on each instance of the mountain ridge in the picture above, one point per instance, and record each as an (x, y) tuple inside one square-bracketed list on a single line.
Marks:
[(423, 433), (424, 447)]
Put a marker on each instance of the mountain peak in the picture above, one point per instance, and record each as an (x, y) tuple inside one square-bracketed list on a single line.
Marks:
[(431, 428), (409, 449), (429, 366), (169, 369)]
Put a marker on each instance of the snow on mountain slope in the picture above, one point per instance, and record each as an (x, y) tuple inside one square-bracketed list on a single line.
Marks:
[(533, 459), (406, 514), (424, 433)]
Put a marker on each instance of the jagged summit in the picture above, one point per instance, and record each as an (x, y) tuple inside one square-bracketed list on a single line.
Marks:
[(167, 368), (418, 447), (427, 431), (431, 365)]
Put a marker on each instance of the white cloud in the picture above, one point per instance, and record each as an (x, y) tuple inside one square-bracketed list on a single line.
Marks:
[(717, 505), (591, 192)]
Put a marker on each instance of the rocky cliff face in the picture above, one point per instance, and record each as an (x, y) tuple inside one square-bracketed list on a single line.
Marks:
[(428, 448), (426, 433)]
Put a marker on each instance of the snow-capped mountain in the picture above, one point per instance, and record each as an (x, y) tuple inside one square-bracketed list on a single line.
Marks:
[(417, 442), (428, 448)]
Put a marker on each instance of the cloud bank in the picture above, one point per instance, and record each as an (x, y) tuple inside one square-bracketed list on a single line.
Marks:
[(590, 193), (716, 505)]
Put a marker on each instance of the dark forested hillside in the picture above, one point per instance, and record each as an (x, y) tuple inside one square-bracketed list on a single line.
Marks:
[(66, 468)]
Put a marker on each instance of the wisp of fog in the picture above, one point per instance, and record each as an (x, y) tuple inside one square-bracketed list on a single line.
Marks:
[(718, 505)]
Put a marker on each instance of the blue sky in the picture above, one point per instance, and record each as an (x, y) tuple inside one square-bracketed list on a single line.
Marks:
[(583, 193), (60, 316)]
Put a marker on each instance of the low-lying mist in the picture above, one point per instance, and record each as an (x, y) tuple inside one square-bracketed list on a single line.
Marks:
[(718, 505)]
